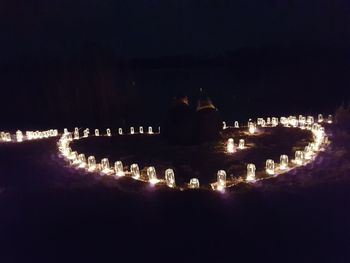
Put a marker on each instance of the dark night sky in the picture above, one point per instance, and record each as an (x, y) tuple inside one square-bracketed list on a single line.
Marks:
[(155, 28), (55, 56)]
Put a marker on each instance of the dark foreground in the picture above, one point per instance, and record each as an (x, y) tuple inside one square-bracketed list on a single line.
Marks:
[(49, 213)]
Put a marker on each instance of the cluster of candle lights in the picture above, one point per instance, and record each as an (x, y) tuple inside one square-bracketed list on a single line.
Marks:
[(149, 174), (19, 136), (272, 169)]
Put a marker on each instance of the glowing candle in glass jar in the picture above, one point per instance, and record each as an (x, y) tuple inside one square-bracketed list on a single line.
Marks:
[(221, 180), (250, 173), (76, 133), (19, 136), (91, 163), (120, 131), (105, 168), (108, 131), (119, 169), (132, 130), (320, 118), (170, 177), (97, 132), (284, 162), (152, 176), (150, 130), (241, 144), (299, 157), (330, 119), (236, 124), (270, 166), (194, 183), (230, 146), (86, 132), (82, 160), (135, 171), (141, 129)]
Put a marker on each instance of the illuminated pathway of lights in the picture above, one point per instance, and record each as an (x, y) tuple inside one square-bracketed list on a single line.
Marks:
[(149, 174)]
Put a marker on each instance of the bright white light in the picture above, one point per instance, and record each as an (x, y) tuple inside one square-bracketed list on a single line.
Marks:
[(270, 166), (97, 132), (91, 163), (132, 130), (152, 176), (19, 136), (119, 169), (274, 121), (330, 119), (82, 160), (310, 119), (320, 118), (135, 171), (308, 152), (76, 133), (150, 130), (108, 131), (299, 157), (194, 183), (236, 124), (170, 177), (250, 173), (224, 126), (86, 132), (230, 146), (241, 144), (105, 168), (284, 162), (221, 180), (120, 131), (141, 129), (251, 128)]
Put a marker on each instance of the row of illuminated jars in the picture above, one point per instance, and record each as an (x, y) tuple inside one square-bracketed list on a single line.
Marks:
[(304, 122), (29, 135), (86, 132)]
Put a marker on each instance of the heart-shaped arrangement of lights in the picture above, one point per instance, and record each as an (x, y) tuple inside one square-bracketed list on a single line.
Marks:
[(149, 175)]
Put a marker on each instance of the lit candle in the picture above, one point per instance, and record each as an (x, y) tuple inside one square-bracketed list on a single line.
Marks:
[(141, 129), (76, 133), (194, 183), (91, 163), (19, 136), (119, 169), (135, 171), (284, 162), (270, 166), (150, 131), (152, 176), (320, 118), (97, 132), (299, 157), (330, 119), (132, 130), (105, 168), (120, 131), (170, 178), (236, 124), (241, 144), (108, 131), (221, 180), (230, 146), (250, 173), (82, 160), (86, 132)]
